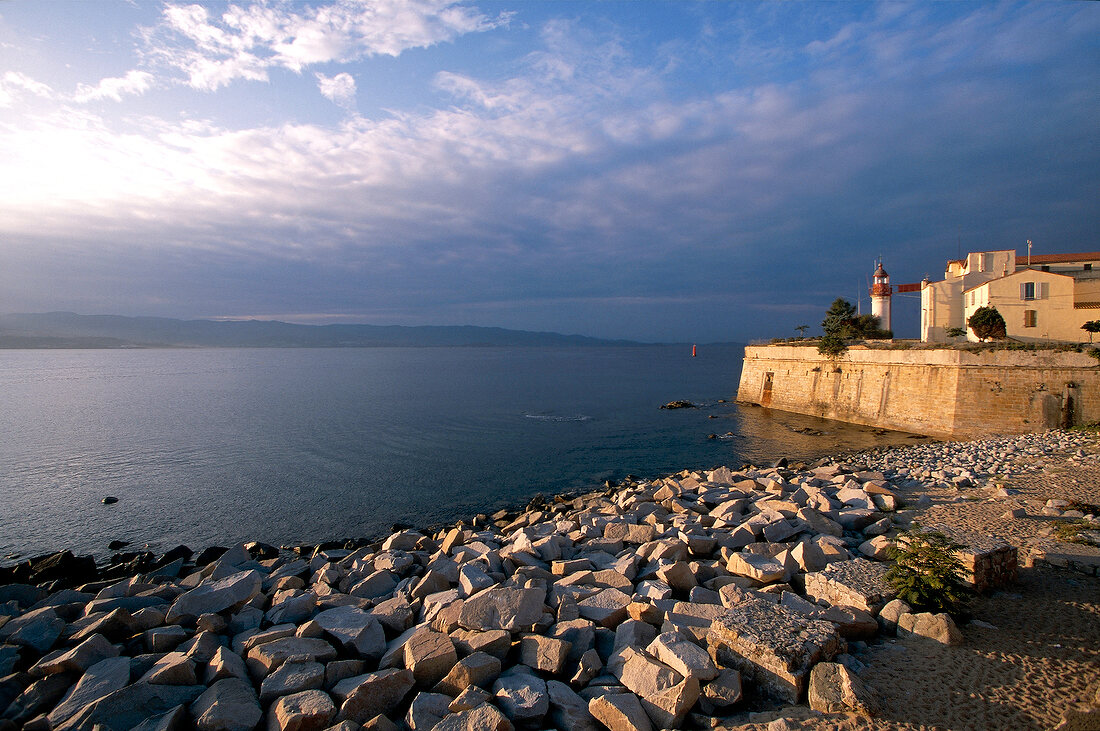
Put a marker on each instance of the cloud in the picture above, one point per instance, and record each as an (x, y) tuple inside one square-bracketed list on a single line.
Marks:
[(589, 175), (249, 39), (14, 84), (133, 83), (339, 89)]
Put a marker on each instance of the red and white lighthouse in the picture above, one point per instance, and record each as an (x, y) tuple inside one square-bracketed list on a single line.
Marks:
[(880, 297)]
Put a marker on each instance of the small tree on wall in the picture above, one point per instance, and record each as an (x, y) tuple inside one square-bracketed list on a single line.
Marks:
[(987, 324), (1092, 326), (955, 332), (832, 346), (839, 318)]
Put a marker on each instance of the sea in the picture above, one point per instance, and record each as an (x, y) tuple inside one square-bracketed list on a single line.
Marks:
[(293, 446)]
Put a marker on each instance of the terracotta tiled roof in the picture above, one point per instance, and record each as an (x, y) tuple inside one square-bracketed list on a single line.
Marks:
[(1021, 259), (915, 287)]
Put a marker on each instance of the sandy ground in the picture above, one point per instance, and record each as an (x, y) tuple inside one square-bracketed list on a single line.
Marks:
[(1041, 655)]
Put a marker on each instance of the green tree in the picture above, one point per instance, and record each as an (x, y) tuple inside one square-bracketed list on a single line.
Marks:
[(839, 318), (955, 332), (987, 324), (869, 327), (832, 346), (802, 330), (926, 573), (1092, 326)]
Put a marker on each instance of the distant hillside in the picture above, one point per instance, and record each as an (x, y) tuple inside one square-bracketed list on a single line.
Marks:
[(69, 330)]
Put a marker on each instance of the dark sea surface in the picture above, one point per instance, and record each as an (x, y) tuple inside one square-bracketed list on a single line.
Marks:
[(213, 446)]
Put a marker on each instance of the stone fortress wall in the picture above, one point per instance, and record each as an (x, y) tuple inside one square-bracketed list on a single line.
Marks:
[(944, 393)]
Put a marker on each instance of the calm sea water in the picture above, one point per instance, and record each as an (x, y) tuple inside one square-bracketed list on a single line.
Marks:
[(214, 446)]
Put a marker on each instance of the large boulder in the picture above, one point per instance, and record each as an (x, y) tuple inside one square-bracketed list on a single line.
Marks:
[(666, 695), (620, 712), (502, 607), (523, 698), (310, 710), (129, 706), (292, 677), (429, 655), (835, 689), (938, 627), (265, 658), (683, 656), (227, 705), (357, 632), (38, 629), (477, 669), (757, 567), (215, 596), (77, 659), (99, 681), (544, 653), (568, 710), (606, 608), (366, 696), (484, 717)]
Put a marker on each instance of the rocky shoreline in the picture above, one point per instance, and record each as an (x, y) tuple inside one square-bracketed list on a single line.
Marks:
[(698, 600)]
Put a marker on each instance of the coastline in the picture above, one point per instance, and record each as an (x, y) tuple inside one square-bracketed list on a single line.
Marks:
[(641, 557)]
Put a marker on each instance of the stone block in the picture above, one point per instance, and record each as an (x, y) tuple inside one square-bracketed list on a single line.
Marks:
[(503, 607), (772, 646), (310, 710), (620, 712), (988, 562), (857, 583)]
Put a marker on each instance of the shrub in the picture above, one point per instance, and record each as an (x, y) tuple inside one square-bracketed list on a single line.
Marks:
[(926, 573), (1092, 326), (955, 332), (987, 324)]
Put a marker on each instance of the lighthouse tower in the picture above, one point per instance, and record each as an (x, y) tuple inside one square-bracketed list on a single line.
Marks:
[(880, 297)]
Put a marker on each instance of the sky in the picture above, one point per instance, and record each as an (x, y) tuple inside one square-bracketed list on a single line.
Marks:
[(655, 171)]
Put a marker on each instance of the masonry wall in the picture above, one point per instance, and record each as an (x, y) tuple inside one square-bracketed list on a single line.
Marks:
[(943, 393)]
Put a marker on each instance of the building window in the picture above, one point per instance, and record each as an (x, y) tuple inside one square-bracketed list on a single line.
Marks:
[(1088, 267), (1030, 318), (985, 262), (1027, 290), (1045, 267)]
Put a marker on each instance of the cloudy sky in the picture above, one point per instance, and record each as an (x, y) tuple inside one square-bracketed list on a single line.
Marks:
[(643, 170)]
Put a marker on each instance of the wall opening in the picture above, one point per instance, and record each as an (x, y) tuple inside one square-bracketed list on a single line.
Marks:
[(766, 395), (1069, 405)]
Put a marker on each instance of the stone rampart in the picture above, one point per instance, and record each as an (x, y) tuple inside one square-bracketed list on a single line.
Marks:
[(943, 393)]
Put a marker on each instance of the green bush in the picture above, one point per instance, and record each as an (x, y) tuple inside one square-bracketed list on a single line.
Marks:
[(926, 573), (987, 324)]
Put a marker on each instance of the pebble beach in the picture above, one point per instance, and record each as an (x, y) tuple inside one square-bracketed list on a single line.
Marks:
[(750, 597)]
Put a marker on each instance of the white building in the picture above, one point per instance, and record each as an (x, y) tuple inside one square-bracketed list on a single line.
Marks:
[(880, 297), (1041, 298)]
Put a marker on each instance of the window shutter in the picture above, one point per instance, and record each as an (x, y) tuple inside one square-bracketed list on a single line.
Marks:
[(1044, 291), (1023, 290)]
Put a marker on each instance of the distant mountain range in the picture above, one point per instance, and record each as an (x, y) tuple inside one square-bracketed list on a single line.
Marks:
[(69, 330)]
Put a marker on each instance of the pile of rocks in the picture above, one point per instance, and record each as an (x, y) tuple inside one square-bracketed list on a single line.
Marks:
[(976, 463), (650, 606)]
